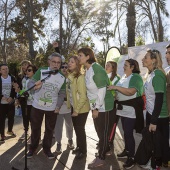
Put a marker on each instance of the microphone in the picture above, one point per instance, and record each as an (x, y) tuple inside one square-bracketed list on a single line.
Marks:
[(50, 72)]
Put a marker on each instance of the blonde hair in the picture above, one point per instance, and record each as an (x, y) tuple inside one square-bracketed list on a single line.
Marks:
[(21, 74), (155, 54)]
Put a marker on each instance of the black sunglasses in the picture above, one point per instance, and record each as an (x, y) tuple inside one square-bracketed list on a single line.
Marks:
[(64, 67), (29, 70)]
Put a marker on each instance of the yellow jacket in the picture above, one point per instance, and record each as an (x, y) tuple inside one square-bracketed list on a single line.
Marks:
[(79, 94)]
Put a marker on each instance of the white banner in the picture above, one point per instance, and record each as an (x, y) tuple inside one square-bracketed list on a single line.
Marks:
[(138, 53)]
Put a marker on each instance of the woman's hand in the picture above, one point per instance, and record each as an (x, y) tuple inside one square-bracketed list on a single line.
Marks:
[(74, 114), (111, 87), (95, 114), (152, 128)]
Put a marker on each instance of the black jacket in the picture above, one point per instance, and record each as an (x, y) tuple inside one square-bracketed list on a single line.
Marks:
[(137, 104)]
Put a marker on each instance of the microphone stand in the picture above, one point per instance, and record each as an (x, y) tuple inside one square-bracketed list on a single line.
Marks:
[(25, 94)]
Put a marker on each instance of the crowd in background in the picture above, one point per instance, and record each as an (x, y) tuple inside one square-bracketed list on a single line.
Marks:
[(65, 92)]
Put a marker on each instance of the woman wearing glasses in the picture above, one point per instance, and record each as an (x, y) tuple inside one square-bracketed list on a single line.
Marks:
[(157, 116), (29, 72), (129, 89), (64, 115)]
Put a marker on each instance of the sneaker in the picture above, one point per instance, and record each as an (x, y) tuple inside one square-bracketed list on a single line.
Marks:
[(30, 154), (58, 150), (70, 144), (75, 150), (80, 155), (96, 163), (124, 154), (109, 153), (130, 163), (50, 155), (158, 168), (165, 165), (12, 134), (2, 140)]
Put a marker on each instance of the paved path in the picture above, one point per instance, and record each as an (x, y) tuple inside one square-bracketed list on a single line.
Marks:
[(12, 152)]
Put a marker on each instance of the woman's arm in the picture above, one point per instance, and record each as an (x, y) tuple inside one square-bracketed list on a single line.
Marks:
[(123, 90), (157, 108)]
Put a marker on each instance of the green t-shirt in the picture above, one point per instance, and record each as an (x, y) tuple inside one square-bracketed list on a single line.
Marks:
[(97, 93), (156, 83), (132, 81)]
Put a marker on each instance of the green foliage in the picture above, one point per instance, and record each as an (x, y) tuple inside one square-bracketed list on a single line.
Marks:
[(19, 25), (101, 58), (42, 57), (13, 68), (87, 42), (139, 41)]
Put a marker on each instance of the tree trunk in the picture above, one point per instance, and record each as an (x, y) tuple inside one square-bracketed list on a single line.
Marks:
[(61, 24), (160, 27), (131, 24), (30, 29), (3, 43), (117, 9)]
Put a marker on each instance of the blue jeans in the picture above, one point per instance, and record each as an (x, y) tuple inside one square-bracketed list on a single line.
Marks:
[(128, 125)]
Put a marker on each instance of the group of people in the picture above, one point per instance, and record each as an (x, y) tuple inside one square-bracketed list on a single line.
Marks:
[(81, 85)]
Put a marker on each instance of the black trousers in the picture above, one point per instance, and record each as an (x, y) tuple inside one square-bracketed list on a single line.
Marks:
[(128, 125), (26, 116), (6, 110), (79, 127), (163, 126), (36, 122), (112, 125), (102, 124)]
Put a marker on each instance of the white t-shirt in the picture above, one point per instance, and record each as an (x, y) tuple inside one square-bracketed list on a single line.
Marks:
[(96, 83), (114, 80), (25, 87), (47, 96), (132, 81), (156, 83), (6, 88)]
